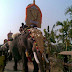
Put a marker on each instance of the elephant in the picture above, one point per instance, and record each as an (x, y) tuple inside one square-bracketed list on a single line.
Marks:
[(27, 41)]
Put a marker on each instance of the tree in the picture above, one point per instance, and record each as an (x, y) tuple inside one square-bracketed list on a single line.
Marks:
[(49, 39), (69, 11), (65, 32)]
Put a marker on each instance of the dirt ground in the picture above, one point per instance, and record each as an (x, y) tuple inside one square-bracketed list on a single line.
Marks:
[(10, 64)]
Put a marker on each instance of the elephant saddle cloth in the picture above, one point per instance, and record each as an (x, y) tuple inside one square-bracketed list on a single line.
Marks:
[(37, 36)]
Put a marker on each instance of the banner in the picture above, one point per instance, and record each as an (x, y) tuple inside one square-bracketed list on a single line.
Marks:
[(33, 15)]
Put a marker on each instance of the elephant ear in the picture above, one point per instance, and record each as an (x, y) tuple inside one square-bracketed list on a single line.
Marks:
[(15, 35), (38, 39)]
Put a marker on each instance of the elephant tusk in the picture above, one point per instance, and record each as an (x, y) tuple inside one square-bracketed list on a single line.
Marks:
[(35, 56), (45, 58), (8, 51)]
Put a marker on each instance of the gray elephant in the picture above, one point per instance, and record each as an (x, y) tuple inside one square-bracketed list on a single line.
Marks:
[(32, 41)]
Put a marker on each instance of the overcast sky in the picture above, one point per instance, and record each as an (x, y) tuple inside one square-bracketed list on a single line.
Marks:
[(12, 14)]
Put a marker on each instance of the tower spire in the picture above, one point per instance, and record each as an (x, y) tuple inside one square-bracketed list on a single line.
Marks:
[(34, 1)]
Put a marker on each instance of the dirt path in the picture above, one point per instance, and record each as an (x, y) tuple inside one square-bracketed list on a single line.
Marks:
[(10, 64)]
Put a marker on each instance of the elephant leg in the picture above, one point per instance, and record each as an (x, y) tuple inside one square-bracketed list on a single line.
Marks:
[(41, 62), (15, 64), (35, 66), (10, 57), (25, 62)]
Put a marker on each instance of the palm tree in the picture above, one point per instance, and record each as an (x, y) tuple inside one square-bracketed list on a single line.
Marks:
[(69, 10), (65, 32)]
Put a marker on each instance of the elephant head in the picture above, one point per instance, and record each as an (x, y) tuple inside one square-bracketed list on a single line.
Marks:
[(35, 44)]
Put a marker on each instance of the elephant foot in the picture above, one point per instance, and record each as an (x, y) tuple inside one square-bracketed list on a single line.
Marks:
[(35, 70), (15, 68), (24, 71)]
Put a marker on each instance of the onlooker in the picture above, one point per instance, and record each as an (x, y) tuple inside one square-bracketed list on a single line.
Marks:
[(2, 58)]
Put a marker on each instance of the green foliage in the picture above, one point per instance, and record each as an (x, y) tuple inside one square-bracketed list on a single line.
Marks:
[(59, 23), (69, 48), (70, 33), (65, 32), (61, 57), (49, 36), (52, 39), (46, 34), (49, 39), (70, 61), (69, 11)]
